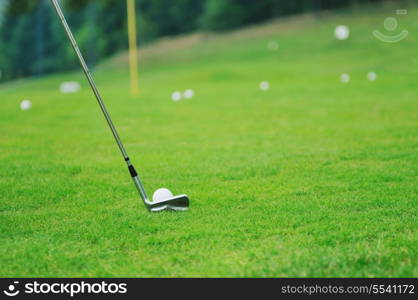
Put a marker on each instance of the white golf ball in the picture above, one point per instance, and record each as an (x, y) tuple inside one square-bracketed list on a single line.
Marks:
[(162, 194), (188, 94), (25, 104), (342, 32), (176, 96), (264, 86), (372, 76), (345, 78)]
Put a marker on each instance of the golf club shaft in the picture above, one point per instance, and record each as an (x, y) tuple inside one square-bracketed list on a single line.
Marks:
[(87, 72)]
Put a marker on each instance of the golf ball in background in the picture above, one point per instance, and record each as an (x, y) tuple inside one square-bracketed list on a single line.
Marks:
[(372, 76), (176, 96), (69, 87), (162, 194), (272, 45), (345, 78), (342, 32), (25, 104), (188, 94), (264, 86)]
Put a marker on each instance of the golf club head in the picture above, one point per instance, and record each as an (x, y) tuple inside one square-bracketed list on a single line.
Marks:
[(175, 203)]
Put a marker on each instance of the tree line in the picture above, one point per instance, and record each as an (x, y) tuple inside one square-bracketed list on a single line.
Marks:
[(32, 41)]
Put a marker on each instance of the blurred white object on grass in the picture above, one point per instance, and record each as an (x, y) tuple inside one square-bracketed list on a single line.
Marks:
[(188, 94), (342, 32), (25, 104), (372, 76), (264, 85), (70, 87), (176, 96), (345, 78)]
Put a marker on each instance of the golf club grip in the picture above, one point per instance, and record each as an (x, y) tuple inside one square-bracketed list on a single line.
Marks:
[(132, 171)]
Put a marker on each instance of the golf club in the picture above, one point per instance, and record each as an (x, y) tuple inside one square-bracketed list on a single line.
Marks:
[(170, 203)]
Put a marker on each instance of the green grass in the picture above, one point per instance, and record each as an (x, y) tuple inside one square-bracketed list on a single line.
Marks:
[(312, 178)]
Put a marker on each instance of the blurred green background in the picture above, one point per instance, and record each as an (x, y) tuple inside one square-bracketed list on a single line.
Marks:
[(32, 42)]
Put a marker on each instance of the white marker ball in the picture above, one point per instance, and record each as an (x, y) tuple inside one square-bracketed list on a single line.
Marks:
[(176, 96), (162, 194), (264, 86), (372, 76), (345, 78), (188, 94), (342, 32), (25, 104)]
